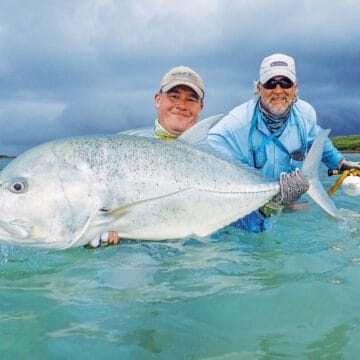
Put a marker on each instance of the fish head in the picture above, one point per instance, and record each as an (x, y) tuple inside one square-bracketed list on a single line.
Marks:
[(45, 200)]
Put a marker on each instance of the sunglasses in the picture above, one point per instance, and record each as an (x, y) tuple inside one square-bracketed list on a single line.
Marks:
[(284, 84)]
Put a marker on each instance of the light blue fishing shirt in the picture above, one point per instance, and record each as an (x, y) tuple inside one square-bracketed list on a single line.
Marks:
[(242, 135)]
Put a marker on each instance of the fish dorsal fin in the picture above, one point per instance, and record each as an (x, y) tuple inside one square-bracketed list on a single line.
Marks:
[(147, 131), (197, 134)]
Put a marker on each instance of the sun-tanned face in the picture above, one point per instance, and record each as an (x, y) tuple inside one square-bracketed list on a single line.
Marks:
[(278, 100), (178, 109)]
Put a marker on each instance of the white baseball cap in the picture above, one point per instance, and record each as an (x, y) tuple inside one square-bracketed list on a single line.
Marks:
[(183, 75), (277, 65)]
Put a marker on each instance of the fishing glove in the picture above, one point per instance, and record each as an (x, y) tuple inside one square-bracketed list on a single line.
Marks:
[(292, 186), (347, 165)]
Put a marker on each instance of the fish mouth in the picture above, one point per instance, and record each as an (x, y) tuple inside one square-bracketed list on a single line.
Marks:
[(14, 229)]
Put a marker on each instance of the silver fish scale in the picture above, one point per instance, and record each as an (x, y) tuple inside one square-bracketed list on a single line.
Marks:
[(135, 157)]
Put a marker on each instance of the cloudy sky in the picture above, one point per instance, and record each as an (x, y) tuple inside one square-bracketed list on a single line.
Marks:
[(72, 67)]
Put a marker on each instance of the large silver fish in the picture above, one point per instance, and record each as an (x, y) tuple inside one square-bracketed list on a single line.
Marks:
[(64, 193)]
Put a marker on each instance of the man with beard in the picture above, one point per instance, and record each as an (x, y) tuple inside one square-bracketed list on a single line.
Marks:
[(273, 132)]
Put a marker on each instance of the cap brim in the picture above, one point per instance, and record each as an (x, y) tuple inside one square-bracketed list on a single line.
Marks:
[(198, 91), (277, 72)]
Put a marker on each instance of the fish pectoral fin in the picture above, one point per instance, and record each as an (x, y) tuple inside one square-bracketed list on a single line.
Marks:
[(107, 215)]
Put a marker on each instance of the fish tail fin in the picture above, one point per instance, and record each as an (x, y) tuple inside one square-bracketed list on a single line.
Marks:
[(310, 170)]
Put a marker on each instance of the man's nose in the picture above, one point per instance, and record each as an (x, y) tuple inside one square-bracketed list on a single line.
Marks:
[(181, 103), (278, 88)]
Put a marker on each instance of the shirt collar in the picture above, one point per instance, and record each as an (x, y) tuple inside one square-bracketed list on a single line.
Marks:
[(161, 133)]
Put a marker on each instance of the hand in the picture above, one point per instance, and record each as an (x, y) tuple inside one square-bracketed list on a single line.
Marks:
[(104, 239), (94, 243), (292, 186), (347, 165), (114, 238)]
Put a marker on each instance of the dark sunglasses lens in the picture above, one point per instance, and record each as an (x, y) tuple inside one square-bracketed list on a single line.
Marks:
[(284, 84), (271, 84)]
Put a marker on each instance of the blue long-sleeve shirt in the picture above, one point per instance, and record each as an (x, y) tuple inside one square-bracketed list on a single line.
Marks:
[(240, 133)]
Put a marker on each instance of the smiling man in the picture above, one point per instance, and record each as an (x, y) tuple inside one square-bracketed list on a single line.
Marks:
[(179, 102), (273, 132)]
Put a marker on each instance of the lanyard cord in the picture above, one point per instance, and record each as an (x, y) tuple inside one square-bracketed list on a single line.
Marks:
[(269, 138)]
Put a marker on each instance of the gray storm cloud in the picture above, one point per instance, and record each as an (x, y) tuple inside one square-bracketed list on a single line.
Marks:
[(70, 68)]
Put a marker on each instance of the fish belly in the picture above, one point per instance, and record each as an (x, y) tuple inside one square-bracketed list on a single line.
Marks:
[(188, 212)]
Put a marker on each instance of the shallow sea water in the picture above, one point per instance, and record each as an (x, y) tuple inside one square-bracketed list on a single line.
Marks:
[(293, 292)]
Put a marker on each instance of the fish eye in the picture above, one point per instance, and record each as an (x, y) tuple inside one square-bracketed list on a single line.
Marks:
[(18, 186)]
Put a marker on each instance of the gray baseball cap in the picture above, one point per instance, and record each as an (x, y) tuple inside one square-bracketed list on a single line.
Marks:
[(183, 75)]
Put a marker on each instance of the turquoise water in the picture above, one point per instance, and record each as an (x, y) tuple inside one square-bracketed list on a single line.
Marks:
[(293, 292)]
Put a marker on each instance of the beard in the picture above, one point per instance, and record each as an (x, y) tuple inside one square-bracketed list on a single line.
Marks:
[(277, 110)]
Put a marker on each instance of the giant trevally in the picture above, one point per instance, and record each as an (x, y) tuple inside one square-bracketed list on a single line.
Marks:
[(64, 193)]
